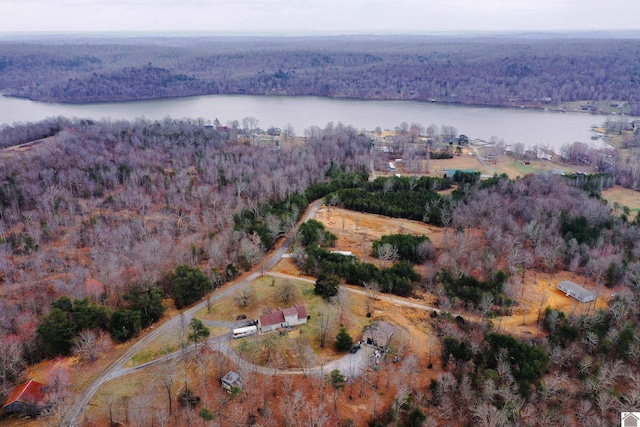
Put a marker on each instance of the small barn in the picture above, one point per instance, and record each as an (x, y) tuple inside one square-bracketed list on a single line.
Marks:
[(576, 291), (27, 400), (378, 334), (231, 380), (293, 316)]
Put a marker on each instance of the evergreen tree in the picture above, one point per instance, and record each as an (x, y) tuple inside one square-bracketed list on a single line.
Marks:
[(344, 342), (198, 331), (188, 285), (54, 334), (327, 286)]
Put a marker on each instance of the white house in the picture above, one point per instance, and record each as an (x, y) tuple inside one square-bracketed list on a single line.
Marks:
[(296, 315), (576, 291)]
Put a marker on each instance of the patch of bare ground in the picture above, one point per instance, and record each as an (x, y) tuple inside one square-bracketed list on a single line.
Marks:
[(17, 150), (356, 232)]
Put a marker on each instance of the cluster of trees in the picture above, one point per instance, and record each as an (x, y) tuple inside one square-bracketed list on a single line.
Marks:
[(404, 247), (481, 294), (71, 323), (612, 166), (104, 205), (22, 133), (489, 71), (272, 220), (68, 319), (528, 362), (331, 267), (400, 197), (187, 285)]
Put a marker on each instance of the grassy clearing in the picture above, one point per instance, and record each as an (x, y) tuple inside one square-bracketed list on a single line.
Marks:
[(622, 196), (264, 288), (164, 344), (353, 318), (523, 169)]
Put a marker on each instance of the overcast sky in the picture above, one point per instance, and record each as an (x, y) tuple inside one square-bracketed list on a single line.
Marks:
[(318, 16)]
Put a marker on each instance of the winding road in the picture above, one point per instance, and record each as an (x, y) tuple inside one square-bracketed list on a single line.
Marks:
[(116, 369), (349, 364)]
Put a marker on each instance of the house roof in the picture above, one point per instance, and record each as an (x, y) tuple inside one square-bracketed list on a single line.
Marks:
[(578, 290), (278, 316), (272, 318), (287, 312), (29, 392), (380, 332), (302, 311), (231, 378)]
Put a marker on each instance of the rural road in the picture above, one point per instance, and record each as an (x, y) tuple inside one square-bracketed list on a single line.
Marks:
[(114, 370), (350, 364), (378, 295)]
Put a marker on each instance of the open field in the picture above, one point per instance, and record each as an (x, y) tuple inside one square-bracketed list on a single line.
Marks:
[(356, 231), (623, 197)]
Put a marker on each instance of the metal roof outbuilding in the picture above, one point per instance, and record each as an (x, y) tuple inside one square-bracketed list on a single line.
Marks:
[(576, 291)]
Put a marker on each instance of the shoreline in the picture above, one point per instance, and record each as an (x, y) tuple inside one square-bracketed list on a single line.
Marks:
[(550, 109)]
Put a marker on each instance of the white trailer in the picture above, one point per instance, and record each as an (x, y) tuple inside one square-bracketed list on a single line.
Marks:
[(245, 332)]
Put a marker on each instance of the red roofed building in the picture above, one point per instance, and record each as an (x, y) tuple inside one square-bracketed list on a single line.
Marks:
[(28, 399), (296, 315)]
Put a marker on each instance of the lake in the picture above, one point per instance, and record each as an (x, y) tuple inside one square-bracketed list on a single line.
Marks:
[(530, 127)]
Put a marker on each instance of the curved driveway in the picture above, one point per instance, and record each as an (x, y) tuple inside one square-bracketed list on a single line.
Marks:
[(350, 364), (115, 369)]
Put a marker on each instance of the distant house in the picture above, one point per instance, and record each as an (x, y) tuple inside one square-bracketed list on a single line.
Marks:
[(378, 334), (231, 380), (27, 400), (576, 291), (274, 131), (296, 315)]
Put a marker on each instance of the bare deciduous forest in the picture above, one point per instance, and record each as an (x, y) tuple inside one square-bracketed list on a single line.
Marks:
[(121, 204), (511, 71), (103, 224)]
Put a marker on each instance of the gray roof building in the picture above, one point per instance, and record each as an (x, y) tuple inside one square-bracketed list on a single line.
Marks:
[(378, 334), (231, 380), (576, 291)]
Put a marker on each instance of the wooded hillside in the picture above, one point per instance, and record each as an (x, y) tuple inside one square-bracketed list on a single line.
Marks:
[(509, 71)]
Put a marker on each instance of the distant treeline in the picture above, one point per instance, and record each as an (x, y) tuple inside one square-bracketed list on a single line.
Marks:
[(479, 71)]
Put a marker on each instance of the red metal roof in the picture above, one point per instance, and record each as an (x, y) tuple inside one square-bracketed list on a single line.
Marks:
[(302, 311), (29, 392), (290, 312), (272, 318), (278, 315)]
